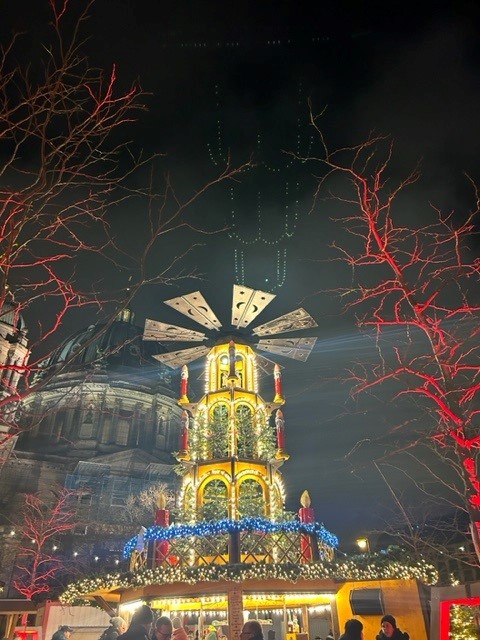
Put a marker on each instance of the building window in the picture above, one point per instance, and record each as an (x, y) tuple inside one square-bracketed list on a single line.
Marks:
[(120, 492), (124, 424)]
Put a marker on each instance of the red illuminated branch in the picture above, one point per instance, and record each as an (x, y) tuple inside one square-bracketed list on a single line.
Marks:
[(66, 168), (58, 13), (42, 520), (410, 279)]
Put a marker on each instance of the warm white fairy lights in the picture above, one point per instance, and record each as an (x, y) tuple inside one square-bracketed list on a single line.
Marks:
[(379, 566)]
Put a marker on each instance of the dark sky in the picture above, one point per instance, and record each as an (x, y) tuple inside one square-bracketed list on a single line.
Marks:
[(236, 77)]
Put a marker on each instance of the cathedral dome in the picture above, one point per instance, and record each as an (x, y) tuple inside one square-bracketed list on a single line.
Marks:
[(103, 392), (118, 345), (115, 349)]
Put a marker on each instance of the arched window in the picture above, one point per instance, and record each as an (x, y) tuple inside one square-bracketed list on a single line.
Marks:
[(240, 371), (215, 501), (223, 368), (218, 431), (245, 434), (251, 501)]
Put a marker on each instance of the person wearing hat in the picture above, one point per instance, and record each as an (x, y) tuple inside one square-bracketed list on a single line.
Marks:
[(140, 625), (116, 628), (353, 630), (212, 633), (390, 631), (63, 633), (179, 632)]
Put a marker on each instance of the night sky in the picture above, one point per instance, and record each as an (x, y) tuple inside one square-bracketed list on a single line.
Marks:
[(228, 78)]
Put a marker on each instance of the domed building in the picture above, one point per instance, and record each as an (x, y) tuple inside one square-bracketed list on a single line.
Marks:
[(103, 424), (103, 393)]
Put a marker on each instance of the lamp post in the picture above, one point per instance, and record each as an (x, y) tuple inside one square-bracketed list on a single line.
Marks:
[(363, 544)]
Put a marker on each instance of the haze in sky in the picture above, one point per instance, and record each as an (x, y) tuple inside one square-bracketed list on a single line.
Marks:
[(236, 81)]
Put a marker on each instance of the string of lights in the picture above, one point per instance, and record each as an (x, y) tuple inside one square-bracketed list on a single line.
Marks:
[(379, 566), (267, 233), (289, 225), (244, 525), (238, 44), (281, 268)]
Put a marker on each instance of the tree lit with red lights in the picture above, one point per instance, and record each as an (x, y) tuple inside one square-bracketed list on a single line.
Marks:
[(67, 165), (40, 524), (417, 287)]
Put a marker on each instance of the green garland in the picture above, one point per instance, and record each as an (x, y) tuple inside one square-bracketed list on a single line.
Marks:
[(373, 567)]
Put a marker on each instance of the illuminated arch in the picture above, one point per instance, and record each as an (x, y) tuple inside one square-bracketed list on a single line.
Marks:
[(221, 365), (218, 430), (188, 502), (251, 498), (244, 424), (214, 498)]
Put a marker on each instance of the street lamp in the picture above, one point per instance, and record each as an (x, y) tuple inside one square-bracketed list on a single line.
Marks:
[(363, 545)]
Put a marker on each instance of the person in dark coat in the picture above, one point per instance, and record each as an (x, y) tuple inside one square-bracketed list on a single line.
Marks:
[(390, 631), (63, 633), (251, 630), (353, 630), (116, 628), (140, 626)]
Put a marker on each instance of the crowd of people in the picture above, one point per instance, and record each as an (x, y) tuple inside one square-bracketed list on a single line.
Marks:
[(143, 626), (388, 631)]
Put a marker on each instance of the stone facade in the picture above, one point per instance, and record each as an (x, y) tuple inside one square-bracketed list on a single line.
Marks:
[(102, 424)]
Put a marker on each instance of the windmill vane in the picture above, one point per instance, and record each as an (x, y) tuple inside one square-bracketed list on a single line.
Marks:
[(247, 305)]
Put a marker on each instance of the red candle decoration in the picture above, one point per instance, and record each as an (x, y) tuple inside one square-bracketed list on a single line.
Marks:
[(277, 377), (162, 519), (306, 515), (184, 384)]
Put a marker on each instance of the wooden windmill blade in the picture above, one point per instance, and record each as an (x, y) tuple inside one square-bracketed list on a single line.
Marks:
[(265, 364), (293, 321), (247, 304), (164, 332), (176, 359), (295, 348), (194, 306)]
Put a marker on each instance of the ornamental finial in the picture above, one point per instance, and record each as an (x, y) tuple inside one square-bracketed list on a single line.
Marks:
[(161, 500), (305, 499)]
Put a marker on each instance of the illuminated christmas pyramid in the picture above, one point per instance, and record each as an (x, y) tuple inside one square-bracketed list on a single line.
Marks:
[(233, 551), (231, 506)]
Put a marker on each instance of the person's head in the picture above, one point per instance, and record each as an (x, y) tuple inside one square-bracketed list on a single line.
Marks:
[(163, 628), (177, 623), (66, 630), (354, 629), (143, 617), (118, 624), (251, 630), (389, 624)]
